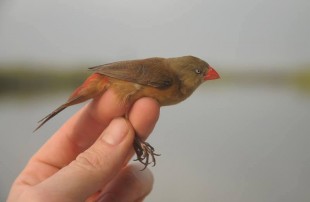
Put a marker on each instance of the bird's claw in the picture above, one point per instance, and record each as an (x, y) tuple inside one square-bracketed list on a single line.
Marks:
[(144, 150)]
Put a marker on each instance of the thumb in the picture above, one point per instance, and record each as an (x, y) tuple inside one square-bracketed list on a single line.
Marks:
[(93, 168)]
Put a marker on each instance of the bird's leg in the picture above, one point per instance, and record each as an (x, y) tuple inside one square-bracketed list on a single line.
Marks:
[(144, 151)]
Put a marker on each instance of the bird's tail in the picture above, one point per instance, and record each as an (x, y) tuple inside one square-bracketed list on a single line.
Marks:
[(51, 115), (74, 99), (92, 87)]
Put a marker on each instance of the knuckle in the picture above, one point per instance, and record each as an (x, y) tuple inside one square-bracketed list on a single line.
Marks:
[(91, 159)]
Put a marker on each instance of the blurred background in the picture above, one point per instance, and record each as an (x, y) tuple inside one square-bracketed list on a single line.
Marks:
[(244, 137)]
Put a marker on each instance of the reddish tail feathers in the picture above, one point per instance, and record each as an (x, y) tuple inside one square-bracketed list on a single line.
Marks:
[(93, 86)]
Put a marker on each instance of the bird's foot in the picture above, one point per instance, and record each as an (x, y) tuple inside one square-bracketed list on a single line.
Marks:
[(144, 151)]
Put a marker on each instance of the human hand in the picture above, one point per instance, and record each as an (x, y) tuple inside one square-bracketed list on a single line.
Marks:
[(86, 159)]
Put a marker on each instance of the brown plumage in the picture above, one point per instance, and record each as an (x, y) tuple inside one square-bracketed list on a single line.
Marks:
[(167, 80)]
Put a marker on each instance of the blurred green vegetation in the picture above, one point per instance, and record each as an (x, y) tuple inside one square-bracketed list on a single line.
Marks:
[(25, 80), (298, 78), (302, 79), (19, 80)]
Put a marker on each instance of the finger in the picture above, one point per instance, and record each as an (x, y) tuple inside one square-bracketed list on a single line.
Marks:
[(94, 168), (130, 185), (144, 115), (80, 132)]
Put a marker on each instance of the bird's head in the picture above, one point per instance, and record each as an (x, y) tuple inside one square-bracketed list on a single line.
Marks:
[(192, 71)]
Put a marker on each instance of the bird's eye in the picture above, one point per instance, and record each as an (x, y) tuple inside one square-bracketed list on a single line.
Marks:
[(198, 71)]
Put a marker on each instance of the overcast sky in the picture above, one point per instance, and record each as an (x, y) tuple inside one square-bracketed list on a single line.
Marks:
[(238, 33)]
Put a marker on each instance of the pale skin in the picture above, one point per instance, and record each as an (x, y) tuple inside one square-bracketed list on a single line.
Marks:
[(86, 159)]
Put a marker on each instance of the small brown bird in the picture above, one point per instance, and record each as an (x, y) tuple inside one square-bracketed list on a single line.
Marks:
[(167, 80)]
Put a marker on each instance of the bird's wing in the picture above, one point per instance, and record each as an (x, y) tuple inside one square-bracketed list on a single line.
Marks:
[(144, 72)]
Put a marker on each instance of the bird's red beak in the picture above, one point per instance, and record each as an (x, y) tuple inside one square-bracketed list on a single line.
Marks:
[(211, 74)]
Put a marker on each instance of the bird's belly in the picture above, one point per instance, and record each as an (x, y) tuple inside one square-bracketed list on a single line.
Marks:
[(169, 96), (129, 92)]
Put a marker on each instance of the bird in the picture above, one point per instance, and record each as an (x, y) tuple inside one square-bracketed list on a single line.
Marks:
[(167, 80)]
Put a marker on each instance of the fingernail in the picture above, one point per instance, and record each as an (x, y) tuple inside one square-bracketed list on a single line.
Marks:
[(116, 131)]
